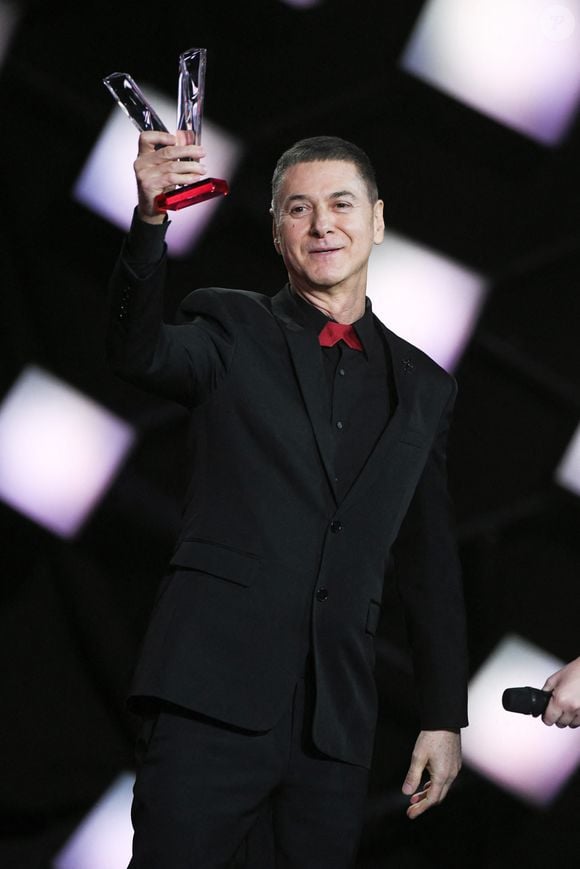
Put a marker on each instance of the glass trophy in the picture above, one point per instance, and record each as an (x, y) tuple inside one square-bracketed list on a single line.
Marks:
[(190, 99)]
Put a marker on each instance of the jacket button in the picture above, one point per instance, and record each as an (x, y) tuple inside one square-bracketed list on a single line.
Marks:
[(336, 526), (322, 594)]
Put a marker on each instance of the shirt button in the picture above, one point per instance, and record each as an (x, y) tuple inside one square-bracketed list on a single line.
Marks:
[(322, 594), (339, 425), (336, 526), (342, 372)]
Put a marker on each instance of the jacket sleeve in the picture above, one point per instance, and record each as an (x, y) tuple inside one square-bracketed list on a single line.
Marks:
[(428, 577), (182, 362)]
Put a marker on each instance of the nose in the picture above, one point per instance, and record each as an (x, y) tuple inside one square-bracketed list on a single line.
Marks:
[(321, 222)]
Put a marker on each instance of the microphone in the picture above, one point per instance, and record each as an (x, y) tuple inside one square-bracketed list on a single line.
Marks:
[(528, 701)]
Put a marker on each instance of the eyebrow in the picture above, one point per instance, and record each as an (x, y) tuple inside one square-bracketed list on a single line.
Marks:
[(338, 195)]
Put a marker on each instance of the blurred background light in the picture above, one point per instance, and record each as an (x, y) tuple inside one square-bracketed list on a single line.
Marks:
[(59, 451), (106, 183), (568, 471), (302, 4), (515, 60), (9, 17), (425, 297), (517, 752), (103, 840)]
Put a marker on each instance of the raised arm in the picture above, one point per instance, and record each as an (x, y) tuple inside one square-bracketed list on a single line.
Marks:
[(181, 362)]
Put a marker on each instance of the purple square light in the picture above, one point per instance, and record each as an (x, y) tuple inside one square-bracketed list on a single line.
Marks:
[(106, 184), (517, 61), (103, 839), (59, 451), (517, 752), (425, 297)]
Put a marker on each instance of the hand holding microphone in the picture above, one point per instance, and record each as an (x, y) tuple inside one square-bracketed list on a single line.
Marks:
[(558, 702)]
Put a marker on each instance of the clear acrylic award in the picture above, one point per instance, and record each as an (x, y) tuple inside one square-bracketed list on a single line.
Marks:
[(190, 100)]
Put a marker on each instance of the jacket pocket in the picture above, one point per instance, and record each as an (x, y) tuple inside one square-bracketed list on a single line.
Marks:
[(216, 560)]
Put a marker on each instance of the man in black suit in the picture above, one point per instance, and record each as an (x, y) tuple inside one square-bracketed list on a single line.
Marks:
[(318, 441)]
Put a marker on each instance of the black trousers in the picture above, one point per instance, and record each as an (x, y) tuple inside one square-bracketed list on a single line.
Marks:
[(201, 785)]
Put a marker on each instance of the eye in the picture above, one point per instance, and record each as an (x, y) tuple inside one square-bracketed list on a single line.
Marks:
[(343, 205), (297, 210)]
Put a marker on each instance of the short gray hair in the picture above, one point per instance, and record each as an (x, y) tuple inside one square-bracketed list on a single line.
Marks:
[(325, 148)]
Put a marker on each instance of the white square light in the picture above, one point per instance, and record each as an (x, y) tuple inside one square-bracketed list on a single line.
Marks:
[(517, 752), (59, 451), (515, 60), (103, 840), (425, 297), (107, 185), (568, 471)]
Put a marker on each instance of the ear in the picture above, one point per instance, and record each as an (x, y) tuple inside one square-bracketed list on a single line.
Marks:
[(275, 234), (378, 222)]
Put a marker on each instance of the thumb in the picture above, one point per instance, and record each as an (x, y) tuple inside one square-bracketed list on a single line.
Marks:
[(413, 777)]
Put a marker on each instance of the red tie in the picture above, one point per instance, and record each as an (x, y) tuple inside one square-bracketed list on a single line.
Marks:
[(333, 332)]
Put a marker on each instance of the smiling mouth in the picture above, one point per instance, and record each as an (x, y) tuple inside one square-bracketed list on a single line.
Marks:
[(325, 250)]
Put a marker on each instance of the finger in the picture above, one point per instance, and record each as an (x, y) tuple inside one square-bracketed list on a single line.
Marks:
[(420, 803), (155, 145), (430, 795), (171, 153), (550, 682), (178, 168), (182, 152), (158, 176), (420, 795), (552, 713), (185, 137), (149, 140)]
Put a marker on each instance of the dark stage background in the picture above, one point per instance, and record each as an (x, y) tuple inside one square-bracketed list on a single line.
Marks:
[(73, 611)]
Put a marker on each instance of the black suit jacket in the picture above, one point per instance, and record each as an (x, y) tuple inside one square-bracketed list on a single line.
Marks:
[(268, 565)]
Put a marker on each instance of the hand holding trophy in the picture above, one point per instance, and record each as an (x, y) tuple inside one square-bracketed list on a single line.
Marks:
[(190, 99)]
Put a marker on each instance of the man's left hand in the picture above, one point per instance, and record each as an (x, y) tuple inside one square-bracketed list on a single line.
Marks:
[(438, 752)]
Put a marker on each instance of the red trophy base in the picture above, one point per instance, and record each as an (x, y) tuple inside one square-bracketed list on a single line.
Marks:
[(191, 194)]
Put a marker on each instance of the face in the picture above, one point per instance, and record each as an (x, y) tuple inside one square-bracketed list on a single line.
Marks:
[(325, 226)]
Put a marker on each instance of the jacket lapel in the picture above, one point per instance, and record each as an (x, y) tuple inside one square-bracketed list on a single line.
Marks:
[(305, 353), (402, 367)]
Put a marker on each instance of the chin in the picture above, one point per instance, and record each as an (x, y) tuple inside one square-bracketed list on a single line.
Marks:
[(325, 280)]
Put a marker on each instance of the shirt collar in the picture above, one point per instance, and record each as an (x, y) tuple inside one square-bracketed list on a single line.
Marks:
[(315, 320)]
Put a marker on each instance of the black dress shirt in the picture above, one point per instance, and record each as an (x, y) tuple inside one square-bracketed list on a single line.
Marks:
[(358, 394)]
